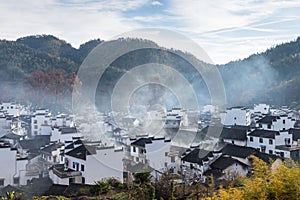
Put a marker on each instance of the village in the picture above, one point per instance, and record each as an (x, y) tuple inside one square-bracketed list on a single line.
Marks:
[(194, 145)]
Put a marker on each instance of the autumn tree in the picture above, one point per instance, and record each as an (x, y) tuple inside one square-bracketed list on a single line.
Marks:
[(54, 85), (268, 182)]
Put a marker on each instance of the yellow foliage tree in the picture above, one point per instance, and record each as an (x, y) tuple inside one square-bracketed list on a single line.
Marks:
[(266, 183)]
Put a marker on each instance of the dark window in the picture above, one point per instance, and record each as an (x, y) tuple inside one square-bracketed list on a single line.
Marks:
[(270, 152), (16, 180), (1, 182), (235, 118), (83, 180), (283, 121), (71, 180), (172, 159), (269, 126), (134, 150), (82, 167), (232, 141), (263, 149), (35, 121), (282, 154), (166, 153), (260, 140), (251, 139), (270, 141)]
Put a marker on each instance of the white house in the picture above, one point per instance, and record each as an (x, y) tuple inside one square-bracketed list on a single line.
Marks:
[(267, 140), (63, 134), (236, 116), (276, 123), (13, 170), (176, 118), (11, 109), (227, 168), (154, 152), (235, 135), (89, 163), (41, 117), (53, 153), (261, 108)]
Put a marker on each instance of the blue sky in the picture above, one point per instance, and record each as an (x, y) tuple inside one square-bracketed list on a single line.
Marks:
[(226, 30)]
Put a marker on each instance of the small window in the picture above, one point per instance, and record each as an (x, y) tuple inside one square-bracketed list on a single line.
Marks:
[(269, 126), (137, 159), (283, 121), (234, 118), (270, 141), (46, 122), (82, 168), (260, 140), (16, 180), (74, 165), (35, 127), (166, 153), (232, 141), (35, 121), (263, 149), (270, 152), (71, 180), (251, 139), (134, 149), (83, 180), (172, 159), (35, 132), (282, 154), (1, 182)]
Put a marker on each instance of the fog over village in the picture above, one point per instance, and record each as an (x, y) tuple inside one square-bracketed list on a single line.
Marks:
[(148, 106)]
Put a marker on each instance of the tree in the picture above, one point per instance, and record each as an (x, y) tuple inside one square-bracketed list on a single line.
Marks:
[(266, 183)]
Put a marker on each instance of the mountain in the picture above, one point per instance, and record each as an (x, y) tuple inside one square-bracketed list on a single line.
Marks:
[(271, 76)]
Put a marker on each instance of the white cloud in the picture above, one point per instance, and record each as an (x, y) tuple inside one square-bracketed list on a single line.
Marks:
[(156, 3)]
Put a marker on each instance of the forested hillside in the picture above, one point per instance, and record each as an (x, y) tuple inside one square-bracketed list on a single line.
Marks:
[(271, 76)]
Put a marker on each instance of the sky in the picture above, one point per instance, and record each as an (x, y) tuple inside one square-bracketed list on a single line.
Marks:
[(226, 30)]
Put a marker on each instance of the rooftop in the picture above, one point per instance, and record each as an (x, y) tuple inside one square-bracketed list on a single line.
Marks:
[(223, 163), (237, 151), (82, 151), (264, 133)]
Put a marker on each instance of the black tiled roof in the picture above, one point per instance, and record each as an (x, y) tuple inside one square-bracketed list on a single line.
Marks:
[(265, 157), (234, 133), (264, 133), (268, 119), (51, 147), (141, 142), (223, 162), (82, 151), (67, 130), (36, 143), (11, 136), (196, 156), (237, 151)]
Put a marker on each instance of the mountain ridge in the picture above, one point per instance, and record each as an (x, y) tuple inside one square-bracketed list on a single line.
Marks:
[(270, 76)]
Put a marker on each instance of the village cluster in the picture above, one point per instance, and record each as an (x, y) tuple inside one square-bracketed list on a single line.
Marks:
[(35, 143)]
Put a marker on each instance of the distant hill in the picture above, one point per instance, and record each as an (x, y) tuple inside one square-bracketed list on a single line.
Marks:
[(271, 76)]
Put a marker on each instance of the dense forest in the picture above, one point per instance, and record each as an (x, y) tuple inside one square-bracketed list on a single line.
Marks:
[(269, 77)]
